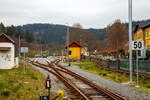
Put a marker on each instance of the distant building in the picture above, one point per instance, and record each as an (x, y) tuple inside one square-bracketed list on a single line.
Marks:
[(142, 32), (84, 50), (74, 50), (7, 52)]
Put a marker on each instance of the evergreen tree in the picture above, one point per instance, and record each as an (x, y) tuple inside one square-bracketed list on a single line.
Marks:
[(11, 30), (2, 28), (29, 36)]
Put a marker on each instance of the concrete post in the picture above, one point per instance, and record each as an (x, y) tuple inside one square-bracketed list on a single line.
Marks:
[(118, 64)]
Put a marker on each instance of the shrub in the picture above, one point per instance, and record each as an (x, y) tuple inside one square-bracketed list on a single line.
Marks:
[(1, 86), (5, 93), (16, 88), (148, 85)]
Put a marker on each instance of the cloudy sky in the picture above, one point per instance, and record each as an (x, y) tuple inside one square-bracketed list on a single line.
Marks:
[(89, 13)]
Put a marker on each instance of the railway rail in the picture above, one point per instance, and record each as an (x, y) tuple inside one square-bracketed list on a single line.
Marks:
[(81, 87)]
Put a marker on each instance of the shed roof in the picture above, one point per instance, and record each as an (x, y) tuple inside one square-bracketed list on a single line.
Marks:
[(5, 38), (73, 44)]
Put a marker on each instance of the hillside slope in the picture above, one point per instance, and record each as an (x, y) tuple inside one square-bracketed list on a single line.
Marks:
[(55, 33)]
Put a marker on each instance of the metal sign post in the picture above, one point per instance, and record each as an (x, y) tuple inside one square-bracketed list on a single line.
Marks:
[(24, 61), (138, 45), (137, 70), (130, 37), (24, 50)]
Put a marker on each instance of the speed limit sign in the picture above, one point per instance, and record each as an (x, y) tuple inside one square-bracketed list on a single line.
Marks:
[(137, 45)]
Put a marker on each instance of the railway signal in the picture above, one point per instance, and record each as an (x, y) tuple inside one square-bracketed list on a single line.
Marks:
[(48, 85)]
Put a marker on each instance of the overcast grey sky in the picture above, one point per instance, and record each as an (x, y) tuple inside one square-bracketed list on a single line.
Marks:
[(90, 13)]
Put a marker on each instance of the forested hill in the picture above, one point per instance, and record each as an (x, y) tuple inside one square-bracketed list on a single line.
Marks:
[(57, 33)]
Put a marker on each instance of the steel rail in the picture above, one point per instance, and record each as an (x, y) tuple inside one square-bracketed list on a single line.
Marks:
[(112, 95), (66, 82), (115, 96)]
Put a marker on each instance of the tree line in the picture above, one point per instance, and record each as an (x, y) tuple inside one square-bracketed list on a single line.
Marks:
[(15, 32)]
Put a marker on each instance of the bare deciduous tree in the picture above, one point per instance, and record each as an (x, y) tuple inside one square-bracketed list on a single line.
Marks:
[(81, 36), (116, 36)]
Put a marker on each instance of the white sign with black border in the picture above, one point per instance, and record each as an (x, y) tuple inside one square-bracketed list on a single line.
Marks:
[(24, 49), (137, 45)]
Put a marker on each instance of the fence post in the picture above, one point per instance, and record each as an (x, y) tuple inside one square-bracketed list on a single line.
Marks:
[(108, 63), (100, 62), (118, 64), (133, 65)]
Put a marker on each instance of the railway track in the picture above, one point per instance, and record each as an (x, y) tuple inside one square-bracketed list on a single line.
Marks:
[(82, 88)]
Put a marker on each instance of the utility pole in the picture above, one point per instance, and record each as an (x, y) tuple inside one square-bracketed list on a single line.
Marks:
[(19, 47), (68, 35), (41, 47), (130, 38)]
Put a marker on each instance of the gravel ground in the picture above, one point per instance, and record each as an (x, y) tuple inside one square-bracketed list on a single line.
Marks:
[(129, 92), (55, 83)]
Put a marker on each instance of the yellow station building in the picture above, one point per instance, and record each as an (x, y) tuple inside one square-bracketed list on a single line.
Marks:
[(142, 32), (74, 50)]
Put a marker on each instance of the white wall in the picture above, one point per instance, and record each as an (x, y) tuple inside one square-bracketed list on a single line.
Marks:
[(7, 56)]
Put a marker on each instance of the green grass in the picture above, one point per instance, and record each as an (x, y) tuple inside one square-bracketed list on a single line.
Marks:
[(17, 85), (113, 76)]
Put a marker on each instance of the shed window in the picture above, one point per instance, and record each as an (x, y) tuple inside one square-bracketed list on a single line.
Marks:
[(69, 52)]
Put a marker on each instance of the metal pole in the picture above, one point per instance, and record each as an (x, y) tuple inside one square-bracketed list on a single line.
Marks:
[(40, 95), (19, 47), (130, 38), (137, 70), (48, 51), (68, 35), (41, 47), (62, 53), (49, 93), (24, 61)]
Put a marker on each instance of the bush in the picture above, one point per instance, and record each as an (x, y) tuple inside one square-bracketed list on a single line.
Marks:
[(16, 88), (148, 85), (1, 86), (5, 93)]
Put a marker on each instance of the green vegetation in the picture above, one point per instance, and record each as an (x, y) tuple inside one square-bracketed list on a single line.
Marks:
[(113, 76), (17, 85), (31, 53), (15, 32)]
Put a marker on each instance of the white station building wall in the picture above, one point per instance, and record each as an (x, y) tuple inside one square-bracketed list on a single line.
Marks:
[(7, 56)]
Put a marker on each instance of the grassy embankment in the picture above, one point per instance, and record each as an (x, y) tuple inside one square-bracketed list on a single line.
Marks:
[(117, 77), (17, 85)]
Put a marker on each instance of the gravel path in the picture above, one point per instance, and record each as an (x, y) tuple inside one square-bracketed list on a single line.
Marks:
[(131, 93)]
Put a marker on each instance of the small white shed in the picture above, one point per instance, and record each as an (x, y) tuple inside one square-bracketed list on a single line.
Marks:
[(7, 52)]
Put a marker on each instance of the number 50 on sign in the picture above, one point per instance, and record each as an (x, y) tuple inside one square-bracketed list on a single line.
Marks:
[(137, 45)]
